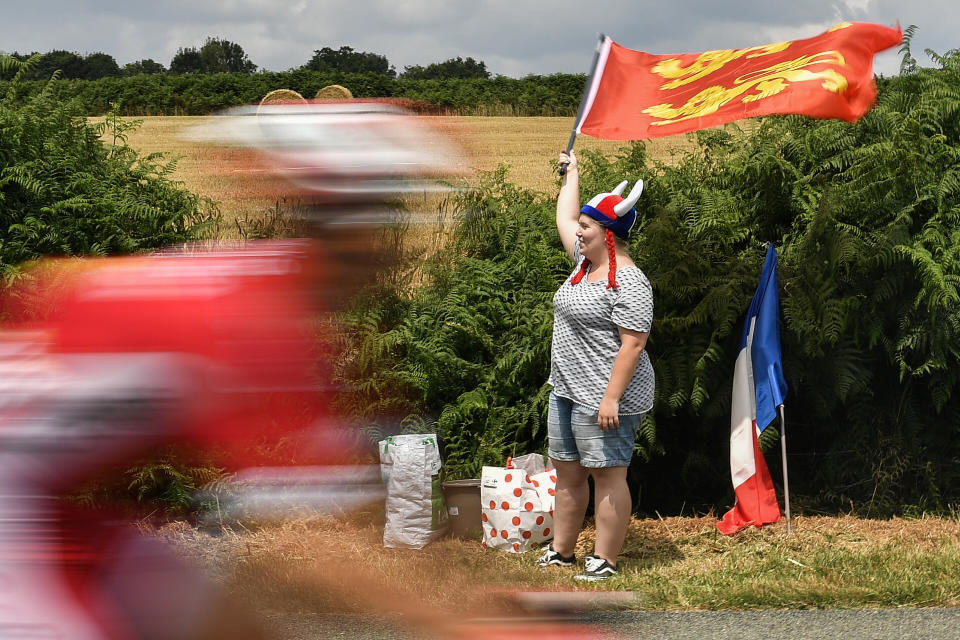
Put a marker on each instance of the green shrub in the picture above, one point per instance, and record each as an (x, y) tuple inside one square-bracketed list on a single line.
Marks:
[(71, 188), (169, 482)]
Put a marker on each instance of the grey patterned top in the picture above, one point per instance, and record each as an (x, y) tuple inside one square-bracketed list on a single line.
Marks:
[(586, 339)]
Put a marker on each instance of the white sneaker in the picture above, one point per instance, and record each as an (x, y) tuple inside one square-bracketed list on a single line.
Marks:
[(596, 569), (551, 557)]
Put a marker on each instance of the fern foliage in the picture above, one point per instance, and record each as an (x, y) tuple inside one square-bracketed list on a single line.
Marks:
[(466, 352), (68, 187)]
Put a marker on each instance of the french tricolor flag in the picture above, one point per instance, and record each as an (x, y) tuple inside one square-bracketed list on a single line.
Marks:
[(758, 389)]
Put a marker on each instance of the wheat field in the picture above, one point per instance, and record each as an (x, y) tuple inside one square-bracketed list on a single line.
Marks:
[(528, 146)]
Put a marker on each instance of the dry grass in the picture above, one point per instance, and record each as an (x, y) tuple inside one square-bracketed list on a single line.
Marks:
[(326, 565)]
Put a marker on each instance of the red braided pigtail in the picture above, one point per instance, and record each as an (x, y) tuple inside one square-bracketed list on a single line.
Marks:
[(579, 275), (612, 261)]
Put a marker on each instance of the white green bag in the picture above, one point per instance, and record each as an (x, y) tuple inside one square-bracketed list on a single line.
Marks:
[(415, 511)]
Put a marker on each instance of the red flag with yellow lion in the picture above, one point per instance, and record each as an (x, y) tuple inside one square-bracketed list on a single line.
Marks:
[(632, 95)]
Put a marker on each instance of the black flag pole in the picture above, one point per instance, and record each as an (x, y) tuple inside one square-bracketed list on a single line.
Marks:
[(584, 99)]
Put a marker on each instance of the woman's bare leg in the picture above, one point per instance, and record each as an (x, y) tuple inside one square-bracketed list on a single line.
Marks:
[(613, 508), (573, 495)]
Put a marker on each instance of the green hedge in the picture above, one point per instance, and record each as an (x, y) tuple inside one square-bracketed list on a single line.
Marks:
[(199, 94)]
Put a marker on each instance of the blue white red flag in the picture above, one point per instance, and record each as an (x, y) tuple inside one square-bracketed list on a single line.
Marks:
[(758, 389)]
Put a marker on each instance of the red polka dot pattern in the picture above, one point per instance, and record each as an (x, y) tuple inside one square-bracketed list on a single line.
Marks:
[(517, 514)]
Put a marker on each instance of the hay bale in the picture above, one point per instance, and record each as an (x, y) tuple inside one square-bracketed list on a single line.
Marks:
[(334, 92), (282, 95)]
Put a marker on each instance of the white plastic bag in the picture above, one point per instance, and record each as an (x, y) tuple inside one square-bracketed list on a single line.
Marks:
[(415, 512), (517, 507), (532, 463)]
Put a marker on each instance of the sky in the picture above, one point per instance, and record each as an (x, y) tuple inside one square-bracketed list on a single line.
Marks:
[(513, 37)]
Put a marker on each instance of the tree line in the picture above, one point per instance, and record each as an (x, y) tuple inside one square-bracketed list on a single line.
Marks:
[(201, 93), (218, 55)]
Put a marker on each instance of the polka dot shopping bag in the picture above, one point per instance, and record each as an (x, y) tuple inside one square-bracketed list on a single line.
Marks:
[(517, 506)]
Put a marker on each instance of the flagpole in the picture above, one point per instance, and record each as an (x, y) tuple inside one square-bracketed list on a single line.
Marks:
[(778, 399), (583, 101), (783, 455)]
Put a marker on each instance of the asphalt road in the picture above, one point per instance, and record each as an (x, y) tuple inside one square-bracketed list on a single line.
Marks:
[(871, 624)]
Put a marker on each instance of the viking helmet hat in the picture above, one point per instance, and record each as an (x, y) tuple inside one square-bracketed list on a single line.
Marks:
[(618, 215), (614, 211)]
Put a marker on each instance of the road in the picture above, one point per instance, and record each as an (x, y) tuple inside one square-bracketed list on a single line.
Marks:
[(861, 624)]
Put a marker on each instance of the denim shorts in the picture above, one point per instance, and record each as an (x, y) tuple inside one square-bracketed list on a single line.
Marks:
[(575, 435)]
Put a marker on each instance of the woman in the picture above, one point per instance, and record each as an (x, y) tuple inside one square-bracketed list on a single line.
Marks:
[(601, 374)]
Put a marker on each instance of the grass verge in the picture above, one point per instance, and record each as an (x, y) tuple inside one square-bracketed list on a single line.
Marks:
[(317, 565)]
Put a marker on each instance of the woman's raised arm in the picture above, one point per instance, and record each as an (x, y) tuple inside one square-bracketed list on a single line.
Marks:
[(568, 203)]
